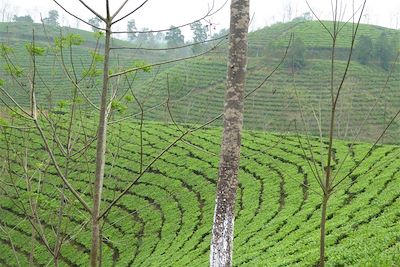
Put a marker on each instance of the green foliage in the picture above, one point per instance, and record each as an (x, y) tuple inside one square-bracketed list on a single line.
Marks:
[(5, 50), (98, 34), (14, 70), (92, 72), (35, 50), (142, 65), (23, 19), (364, 49), (118, 106), (296, 54), (69, 40), (128, 98), (174, 37), (63, 104), (165, 218), (96, 56), (199, 35), (1, 82), (384, 50), (52, 18)]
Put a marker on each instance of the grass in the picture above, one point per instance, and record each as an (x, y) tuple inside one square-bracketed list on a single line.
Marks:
[(166, 218)]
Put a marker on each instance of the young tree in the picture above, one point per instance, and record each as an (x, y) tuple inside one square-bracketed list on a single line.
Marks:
[(364, 49), (174, 37), (327, 172), (110, 76), (4, 8), (224, 213), (52, 18)]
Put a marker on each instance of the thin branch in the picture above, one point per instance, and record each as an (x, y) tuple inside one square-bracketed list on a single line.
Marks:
[(169, 48), (123, 193), (59, 172), (127, 15), (78, 18), (274, 70), (319, 20), (93, 11), (369, 151), (163, 62), (208, 14)]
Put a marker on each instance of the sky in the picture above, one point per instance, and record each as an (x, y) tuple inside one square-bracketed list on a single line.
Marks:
[(161, 14)]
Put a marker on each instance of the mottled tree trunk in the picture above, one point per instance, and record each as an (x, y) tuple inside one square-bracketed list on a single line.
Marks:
[(224, 213)]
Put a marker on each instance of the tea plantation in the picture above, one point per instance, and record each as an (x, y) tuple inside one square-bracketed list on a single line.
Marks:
[(165, 219)]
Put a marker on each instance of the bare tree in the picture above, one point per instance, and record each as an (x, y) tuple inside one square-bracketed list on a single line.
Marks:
[(224, 213), (326, 174), (5, 6)]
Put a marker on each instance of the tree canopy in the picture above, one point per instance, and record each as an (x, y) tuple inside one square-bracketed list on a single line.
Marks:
[(52, 18), (364, 49), (174, 37)]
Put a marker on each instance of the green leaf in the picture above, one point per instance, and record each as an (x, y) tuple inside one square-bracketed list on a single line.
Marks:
[(35, 50), (62, 104), (98, 34), (92, 72), (1, 82), (14, 70), (142, 65), (96, 56), (128, 98), (118, 106), (5, 49), (69, 40)]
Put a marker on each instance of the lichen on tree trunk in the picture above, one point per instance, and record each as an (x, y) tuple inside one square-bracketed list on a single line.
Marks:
[(224, 213)]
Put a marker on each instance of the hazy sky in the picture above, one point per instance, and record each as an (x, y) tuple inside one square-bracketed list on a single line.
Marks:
[(158, 14)]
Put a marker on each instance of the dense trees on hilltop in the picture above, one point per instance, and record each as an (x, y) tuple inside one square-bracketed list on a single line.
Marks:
[(382, 51), (364, 49), (23, 19), (52, 18), (174, 37)]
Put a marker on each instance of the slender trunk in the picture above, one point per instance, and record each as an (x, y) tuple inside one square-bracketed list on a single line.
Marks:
[(325, 199), (100, 153), (224, 213), (33, 245)]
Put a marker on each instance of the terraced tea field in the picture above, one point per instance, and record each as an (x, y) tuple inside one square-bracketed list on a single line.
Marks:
[(195, 87), (166, 218)]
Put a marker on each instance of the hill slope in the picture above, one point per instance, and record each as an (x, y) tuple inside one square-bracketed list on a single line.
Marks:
[(195, 87), (165, 220)]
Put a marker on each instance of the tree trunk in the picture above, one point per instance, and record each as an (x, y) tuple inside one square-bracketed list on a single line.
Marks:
[(224, 213), (325, 199), (100, 153)]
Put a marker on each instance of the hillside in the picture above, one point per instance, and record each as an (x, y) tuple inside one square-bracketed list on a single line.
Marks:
[(166, 218), (195, 87)]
